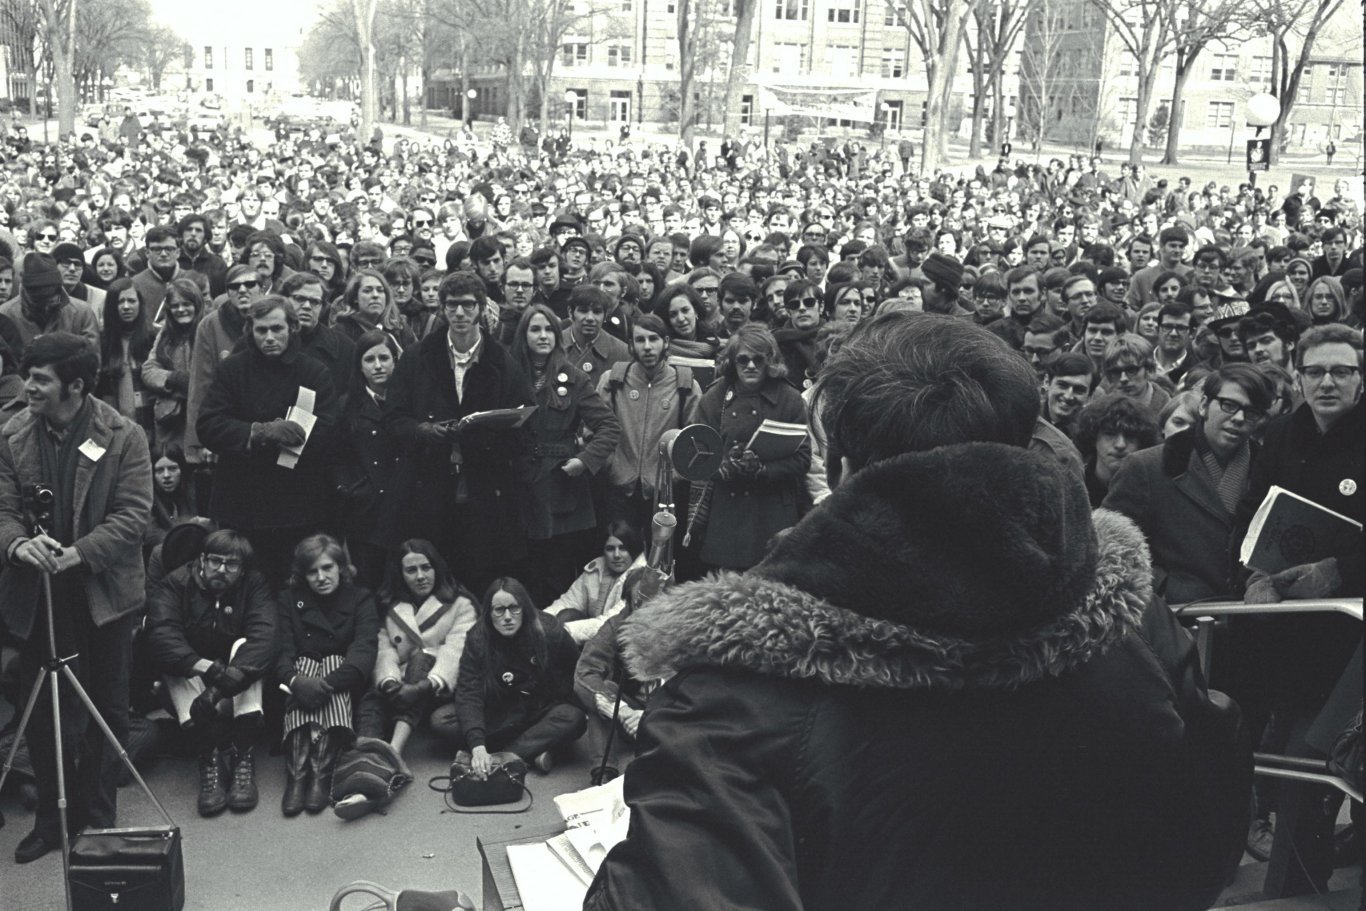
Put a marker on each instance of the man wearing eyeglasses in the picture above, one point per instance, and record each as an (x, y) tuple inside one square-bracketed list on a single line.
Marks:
[(1126, 369), (211, 636), (1174, 356), (461, 486), (163, 266), (1184, 493), (1318, 451), (42, 305)]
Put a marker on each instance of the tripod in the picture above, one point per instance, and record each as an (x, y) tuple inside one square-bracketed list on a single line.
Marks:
[(53, 668)]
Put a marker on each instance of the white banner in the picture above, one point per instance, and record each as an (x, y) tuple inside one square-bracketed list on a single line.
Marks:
[(835, 104)]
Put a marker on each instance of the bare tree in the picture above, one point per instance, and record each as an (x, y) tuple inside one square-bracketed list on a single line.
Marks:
[(999, 24), (60, 31), (161, 47), (1284, 22), (1042, 67), (1196, 24), (110, 33), (364, 11), (745, 11), (1144, 29), (936, 27), (23, 19)]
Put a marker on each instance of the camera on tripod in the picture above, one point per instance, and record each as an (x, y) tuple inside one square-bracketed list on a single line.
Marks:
[(38, 500)]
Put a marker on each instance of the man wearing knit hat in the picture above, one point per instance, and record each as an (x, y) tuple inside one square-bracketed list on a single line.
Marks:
[(946, 274), (43, 305), (71, 264)]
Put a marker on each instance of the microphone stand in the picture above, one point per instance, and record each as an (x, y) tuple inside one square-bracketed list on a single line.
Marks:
[(53, 671)]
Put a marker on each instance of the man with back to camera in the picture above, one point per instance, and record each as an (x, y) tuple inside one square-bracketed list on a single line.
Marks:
[(96, 465), (882, 704)]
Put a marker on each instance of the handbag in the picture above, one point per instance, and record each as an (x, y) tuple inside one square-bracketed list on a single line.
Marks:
[(505, 784), (127, 870)]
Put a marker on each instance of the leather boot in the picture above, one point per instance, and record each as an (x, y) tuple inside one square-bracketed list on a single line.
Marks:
[(242, 795), (297, 746), (213, 796), (322, 759)]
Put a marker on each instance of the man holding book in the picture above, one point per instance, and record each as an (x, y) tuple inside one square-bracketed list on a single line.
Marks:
[(1289, 665)]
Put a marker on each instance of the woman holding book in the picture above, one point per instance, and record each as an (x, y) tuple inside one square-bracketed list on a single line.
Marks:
[(759, 489)]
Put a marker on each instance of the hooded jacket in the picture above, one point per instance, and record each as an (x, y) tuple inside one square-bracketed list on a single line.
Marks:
[(946, 688)]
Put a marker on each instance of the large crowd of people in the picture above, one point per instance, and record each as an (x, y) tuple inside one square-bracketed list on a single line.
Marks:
[(256, 378)]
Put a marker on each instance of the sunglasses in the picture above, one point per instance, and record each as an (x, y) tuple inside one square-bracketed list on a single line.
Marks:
[(46, 236), (804, 303), (238, 286)]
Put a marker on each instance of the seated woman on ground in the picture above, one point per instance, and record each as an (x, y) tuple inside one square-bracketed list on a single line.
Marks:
[(514, 692), (420, 644), (596, 593), (328, 629)]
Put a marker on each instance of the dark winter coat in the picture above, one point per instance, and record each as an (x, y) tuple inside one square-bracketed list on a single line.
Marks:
[(346, 624), (523, 690), (947, 688), (557, 504), (423, 389), (1170, 495), (187, 623), (250, 490), (334, 350), (366, 476), (747, 512)]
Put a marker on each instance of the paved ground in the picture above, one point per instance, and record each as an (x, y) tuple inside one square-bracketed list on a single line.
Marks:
[(263, 862)]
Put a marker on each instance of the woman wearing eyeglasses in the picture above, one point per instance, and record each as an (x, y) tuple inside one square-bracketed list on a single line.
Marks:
[(514, 691), (752, 499)]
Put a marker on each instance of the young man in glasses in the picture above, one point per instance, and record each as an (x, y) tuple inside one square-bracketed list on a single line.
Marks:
[(1127, 368), (1184, 493), (212, 634), (1174, 356)]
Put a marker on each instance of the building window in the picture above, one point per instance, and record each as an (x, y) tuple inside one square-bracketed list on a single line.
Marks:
[(246, 56), (747, 110), (789, 57), (208, 57), (1220, 114), (1260, 72), (626, 6), (1306, 85), (580, 104), (251, 86), (893, 63), (842, 60), (793, 10), (618, 55), (892, 15), (575, 54), (208, 85), (1128, 64), (270, 60), (845, 14), (1128, 111), (1223, 68)]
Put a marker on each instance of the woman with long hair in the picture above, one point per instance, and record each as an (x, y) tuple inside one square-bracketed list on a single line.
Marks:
[(514, 690), (106, 266), (166, 371), (325, 261), (752, 498), (596, 594), (328, 641), (681, 307), (368, 460), (558, 507), (125, 342), (426, 616), (1324, 300), (369, 304), (172, 504)]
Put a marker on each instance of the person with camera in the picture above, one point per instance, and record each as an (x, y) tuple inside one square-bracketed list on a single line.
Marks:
[(212, 635), (75, 496)]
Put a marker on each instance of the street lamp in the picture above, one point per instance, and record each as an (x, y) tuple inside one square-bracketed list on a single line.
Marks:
[(470, 95), (1263, 110), (571, 98)]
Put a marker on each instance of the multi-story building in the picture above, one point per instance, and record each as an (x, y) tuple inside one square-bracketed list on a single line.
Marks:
[(245, 59), (847, 60), (1079, 73)]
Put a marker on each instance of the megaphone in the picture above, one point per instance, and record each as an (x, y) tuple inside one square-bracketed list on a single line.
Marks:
[(695, 451)]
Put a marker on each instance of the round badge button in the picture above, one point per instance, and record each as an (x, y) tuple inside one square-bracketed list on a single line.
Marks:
[(1347, 487)]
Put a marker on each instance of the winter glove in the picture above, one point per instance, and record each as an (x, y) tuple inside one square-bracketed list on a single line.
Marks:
[(278, 433), (1309, 580), (204, 709), (427, 432), (1261, 590), (228, 679), (310, 693)]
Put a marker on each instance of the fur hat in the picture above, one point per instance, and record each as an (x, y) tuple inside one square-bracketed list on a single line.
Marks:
[(944, 271)]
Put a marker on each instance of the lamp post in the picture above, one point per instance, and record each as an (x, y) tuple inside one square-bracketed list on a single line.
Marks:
[(571, 98), (1263, 110), (470, 95)]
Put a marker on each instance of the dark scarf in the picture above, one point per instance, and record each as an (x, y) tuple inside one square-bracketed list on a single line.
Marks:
[(1229, 480), (41, 315)]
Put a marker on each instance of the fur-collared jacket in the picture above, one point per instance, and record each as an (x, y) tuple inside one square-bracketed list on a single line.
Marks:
[(948, 687)]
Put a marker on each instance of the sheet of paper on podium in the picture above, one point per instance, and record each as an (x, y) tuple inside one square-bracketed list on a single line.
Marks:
[(544, 882)]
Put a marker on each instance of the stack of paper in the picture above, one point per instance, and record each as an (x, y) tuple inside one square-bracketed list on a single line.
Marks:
[(555, 874)]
